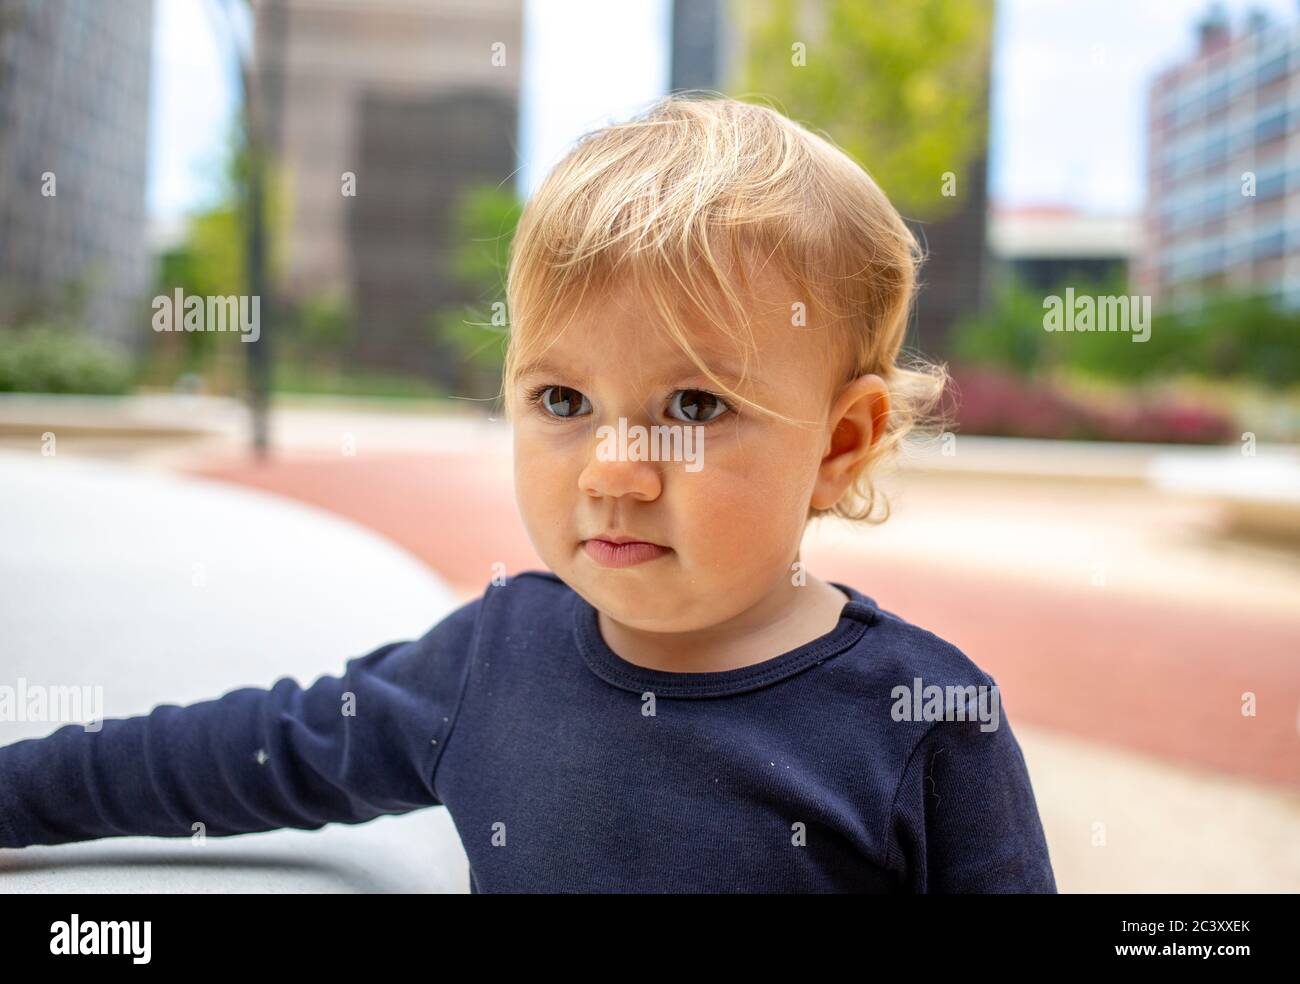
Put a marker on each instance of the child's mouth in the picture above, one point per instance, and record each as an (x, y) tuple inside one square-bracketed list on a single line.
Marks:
[(628, 553)]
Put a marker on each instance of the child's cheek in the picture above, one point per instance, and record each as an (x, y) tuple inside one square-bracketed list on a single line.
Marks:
[(718, 504), (742, 506), (551, 451), (545, 479)]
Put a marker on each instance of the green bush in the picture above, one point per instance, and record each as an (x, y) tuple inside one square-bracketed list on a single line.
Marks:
[(1244, 337), (45, 359), (1008, 334), (1227, 337)]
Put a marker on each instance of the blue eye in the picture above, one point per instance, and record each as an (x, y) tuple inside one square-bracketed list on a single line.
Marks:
[(561, 401), (696, 406)]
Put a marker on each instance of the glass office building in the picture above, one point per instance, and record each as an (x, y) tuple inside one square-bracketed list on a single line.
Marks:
[(74, 118), (1223, 209)]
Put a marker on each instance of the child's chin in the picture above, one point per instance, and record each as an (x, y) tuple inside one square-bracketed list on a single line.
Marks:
[(631, 596)]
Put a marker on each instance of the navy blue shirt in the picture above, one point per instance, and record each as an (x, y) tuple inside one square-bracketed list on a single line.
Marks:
[(567, 768)]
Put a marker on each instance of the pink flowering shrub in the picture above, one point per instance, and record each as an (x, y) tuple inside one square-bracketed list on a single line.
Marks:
[(997, 403)]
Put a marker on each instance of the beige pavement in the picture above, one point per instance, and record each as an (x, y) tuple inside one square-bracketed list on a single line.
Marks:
[(1118, 821)]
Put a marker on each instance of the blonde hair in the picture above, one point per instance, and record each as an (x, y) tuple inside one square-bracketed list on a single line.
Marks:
[(673, 201)]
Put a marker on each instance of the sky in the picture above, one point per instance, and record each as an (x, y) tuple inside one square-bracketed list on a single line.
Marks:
[(1066, 115), (193, 99)]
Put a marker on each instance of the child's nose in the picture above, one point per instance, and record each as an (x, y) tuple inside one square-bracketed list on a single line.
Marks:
[(606, 476)]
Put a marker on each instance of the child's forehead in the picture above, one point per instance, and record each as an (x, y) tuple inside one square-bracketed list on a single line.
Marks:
[(623, 327), (758, 289), (716, 330), (596, 343), (658, 366)]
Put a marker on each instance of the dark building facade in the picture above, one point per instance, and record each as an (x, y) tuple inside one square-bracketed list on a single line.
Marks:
[(418, 101), (954, 277), (700, 48)]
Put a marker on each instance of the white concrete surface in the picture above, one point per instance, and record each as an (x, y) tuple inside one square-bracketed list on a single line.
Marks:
[(164, 589)]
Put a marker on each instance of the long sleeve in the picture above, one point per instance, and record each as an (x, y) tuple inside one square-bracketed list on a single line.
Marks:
[(965, 817), (345, 749)]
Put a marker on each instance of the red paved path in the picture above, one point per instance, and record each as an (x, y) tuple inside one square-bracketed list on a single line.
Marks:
[(1153, 676)]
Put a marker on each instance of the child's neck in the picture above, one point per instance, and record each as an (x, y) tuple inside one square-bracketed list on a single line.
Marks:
[(787, 618)]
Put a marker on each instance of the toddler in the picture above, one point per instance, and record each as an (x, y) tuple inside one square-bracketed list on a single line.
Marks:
[(676, 704)]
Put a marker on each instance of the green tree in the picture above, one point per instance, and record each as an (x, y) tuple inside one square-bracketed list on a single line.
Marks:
[(1008, 333), (899, 84), (211, 260), (484, 225)]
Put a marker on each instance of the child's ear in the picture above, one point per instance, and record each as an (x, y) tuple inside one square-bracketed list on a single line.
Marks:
[(857, 421)]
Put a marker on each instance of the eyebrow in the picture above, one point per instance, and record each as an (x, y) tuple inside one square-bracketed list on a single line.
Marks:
[(682, 370)]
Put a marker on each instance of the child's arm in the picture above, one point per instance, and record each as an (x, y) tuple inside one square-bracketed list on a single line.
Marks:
[(345, 749), (965, 818)]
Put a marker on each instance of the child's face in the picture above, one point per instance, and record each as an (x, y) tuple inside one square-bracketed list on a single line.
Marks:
[(731, 521)]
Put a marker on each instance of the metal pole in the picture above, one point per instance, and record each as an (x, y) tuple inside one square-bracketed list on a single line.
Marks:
[(257, 157)]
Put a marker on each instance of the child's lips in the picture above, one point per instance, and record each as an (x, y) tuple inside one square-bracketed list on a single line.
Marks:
[(627, 554)]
